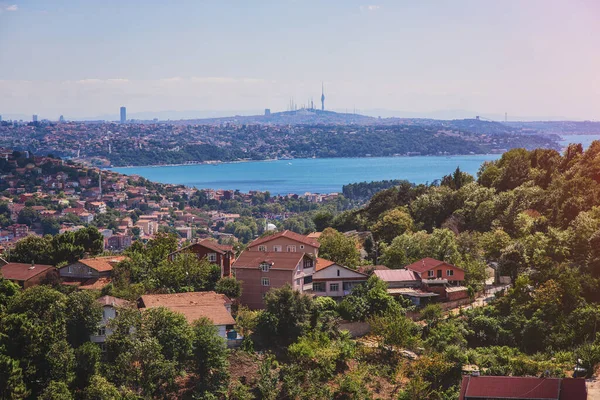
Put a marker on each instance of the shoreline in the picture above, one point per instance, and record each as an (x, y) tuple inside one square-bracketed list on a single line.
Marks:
[(215, 163)]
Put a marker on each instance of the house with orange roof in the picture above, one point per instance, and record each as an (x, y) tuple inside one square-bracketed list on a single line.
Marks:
[(193, 306), (90, 273)]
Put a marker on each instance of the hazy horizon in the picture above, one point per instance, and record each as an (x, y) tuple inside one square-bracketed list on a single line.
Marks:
[(533, 60)]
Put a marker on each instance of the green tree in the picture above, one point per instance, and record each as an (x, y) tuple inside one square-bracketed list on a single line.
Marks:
[(12, 385), (100, 389), (56, 390), (87, 361), (393, 223), (90, 239), (83, 313), (229, 286), (286, 316), (209, 359), (172, 332), (337, 247)]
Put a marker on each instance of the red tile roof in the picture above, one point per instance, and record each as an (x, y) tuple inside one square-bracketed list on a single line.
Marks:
[(88, 284), (426, 264), (278, 260), (396, 275), (193, 305), (23, 272), (102, 264), (512, 387), (289, 235), (323, 263)]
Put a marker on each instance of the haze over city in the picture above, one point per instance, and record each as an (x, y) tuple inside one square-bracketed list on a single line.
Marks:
[(185, 59)]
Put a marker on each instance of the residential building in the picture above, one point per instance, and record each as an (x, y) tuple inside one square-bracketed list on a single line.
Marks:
[(287, 242), (117, 242), (18, 230), (194, 305), (218, 254), (441, 278), (27, 275), (260, 271), (110, 306), (90, 273), (521, 388), (402, 282), (334, 280)]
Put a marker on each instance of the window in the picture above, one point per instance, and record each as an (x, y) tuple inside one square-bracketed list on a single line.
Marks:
[(70, 270), (264, 267), (266, 282), (277, 248), (262, 248), (102, 347), (450, 272), (89, 271), (430, 274), (318, 286), (308, 263), (334, 287), (291, 249), (338, 272), (301, 247), (101, 331), (212, 257)]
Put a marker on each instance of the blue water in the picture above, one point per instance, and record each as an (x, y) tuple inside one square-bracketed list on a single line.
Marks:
[(321, 175), (585, 140)]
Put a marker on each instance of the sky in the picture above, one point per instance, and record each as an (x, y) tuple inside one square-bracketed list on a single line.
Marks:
[(82, 59)]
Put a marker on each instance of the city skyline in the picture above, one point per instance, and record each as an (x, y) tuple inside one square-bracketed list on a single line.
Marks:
[(533, 59)]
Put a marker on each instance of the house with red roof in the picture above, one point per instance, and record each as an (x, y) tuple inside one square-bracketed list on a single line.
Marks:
[(27, 275), (193, 306), (334, 280), (287, 242), (218, 254), (521, 388), (260, 271), (90, 273), (440, 277), (426, 280)]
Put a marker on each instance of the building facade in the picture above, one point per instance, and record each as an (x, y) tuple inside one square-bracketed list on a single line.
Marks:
[(286, 242), (261, 271)]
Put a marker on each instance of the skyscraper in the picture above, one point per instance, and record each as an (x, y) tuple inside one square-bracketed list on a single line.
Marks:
[(123, 115), (322, 97), (35, 118)]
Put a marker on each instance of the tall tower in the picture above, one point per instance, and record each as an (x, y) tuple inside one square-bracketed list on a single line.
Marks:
[(322, 97), (123, 115)]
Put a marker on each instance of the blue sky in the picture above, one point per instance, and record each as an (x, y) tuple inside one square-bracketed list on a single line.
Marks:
[(86, 58)]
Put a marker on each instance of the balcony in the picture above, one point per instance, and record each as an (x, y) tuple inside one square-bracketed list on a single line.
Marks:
[(435, 281)]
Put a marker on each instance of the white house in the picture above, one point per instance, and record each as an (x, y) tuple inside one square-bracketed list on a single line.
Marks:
[(110, 306), (334, 280)]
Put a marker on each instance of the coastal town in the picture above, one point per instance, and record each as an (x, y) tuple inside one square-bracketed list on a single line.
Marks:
[(136, 143), (230, 261)]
